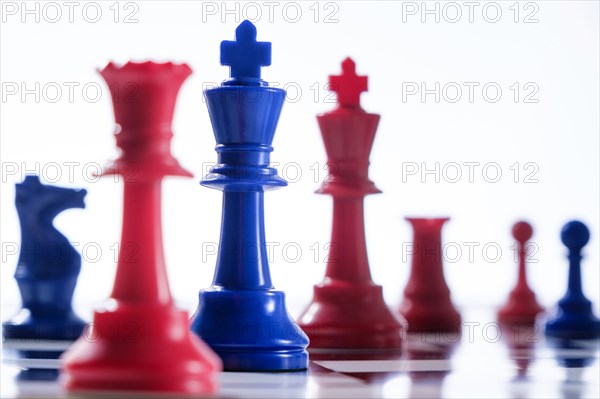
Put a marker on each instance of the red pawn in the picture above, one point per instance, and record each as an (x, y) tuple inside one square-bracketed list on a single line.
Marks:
[(140, 341), (522, 306), (348, 310), (427, 306)]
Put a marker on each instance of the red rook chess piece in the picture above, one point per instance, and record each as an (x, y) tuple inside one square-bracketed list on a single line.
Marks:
[(139, 341), (427, 306), (348, 310)]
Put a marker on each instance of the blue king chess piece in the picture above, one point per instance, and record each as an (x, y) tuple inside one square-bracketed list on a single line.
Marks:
[(241, 316), (47, 268), (575, 319)]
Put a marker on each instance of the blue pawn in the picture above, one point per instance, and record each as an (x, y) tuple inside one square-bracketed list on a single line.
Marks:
[(575, 319), (48, 265), (241, 316)]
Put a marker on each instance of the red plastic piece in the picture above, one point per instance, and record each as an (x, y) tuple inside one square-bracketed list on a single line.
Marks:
[(140, 341), (348, 310), (348, 86), (427, 306), (522, 306)]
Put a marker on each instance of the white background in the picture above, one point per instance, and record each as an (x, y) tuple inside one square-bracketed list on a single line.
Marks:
[(559, 54)]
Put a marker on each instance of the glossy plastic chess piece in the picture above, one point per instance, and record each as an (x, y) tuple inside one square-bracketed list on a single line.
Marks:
[(522, 306), (139, 341), (575, 318), (427, 306), (48, 265), (241, 316), (348, 310)]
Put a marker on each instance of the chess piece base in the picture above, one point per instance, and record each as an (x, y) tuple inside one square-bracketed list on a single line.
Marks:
[(250, 330), (521, 308), (140, 348), (430, 316), (47, 312), (23, 326), (575, 320), (346, 315)]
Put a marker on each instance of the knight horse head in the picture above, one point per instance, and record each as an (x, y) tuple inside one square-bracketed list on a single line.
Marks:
[(46, 254)]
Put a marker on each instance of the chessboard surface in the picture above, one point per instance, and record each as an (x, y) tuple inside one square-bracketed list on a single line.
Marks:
[(143, 344), (477, 364)]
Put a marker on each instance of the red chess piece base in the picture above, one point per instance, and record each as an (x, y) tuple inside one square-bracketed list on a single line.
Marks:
[(140, 348), (347, 315), (430, 317), (521, 308)]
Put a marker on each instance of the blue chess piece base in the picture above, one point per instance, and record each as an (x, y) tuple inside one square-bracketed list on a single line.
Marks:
[(24, 326), (250, 330), (47, 313), (575, 320), (28, 335)]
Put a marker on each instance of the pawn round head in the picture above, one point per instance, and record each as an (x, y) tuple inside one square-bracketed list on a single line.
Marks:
[(575, 235), (522, 231)]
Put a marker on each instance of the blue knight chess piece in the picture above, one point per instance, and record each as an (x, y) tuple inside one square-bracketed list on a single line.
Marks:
[(241, 316), (575, 319), (48, 265)]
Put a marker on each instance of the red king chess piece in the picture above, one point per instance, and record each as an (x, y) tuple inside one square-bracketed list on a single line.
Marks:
[(348, 310), (139, 341)]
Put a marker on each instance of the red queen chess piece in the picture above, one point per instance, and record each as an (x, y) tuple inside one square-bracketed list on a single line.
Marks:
[(348, 310), (139, 341), (427, 306)]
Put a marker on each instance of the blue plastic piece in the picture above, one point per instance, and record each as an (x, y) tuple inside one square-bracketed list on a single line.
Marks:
[(48, 265), (245, 56), (241, 316), (575, 319)]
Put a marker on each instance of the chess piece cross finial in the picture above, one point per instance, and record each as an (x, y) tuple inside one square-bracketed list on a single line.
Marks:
[(348, 85), (245, 55)]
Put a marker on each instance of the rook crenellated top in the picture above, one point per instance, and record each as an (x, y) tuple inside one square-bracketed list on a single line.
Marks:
[(143, 97)]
